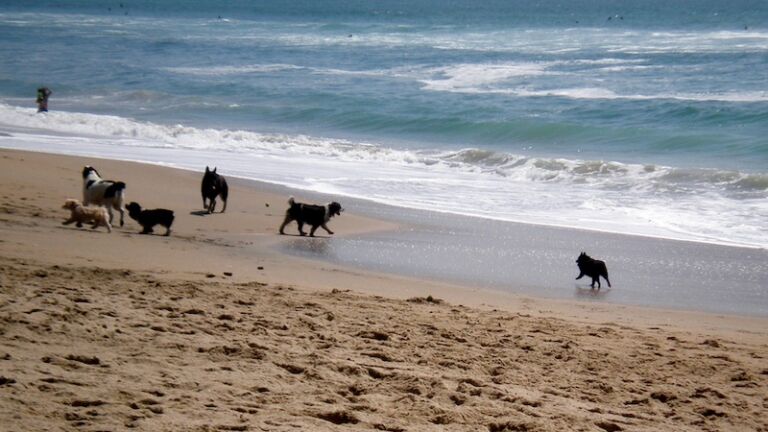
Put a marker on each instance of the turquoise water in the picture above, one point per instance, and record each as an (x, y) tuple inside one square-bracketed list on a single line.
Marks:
[(647, 117)]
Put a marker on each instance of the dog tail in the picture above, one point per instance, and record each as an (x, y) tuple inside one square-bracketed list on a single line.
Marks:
[(114, 189), (121, 193), (224, 191), (605, 275)]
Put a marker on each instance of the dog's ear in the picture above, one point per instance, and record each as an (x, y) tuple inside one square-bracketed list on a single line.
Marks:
[(206, 169), (214, 170)]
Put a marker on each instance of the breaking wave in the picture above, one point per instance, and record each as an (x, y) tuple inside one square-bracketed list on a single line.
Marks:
[(694, 204)]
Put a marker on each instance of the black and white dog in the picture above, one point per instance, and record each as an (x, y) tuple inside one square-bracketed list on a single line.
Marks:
[(213, 185), (315, 215), (593, 268), (149, 218), (110, 194)]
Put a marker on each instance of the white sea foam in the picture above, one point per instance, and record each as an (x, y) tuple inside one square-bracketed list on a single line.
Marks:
[(515, 79), (212, 71), (610, 196), (531, 41), (476, 77), (232, 70)]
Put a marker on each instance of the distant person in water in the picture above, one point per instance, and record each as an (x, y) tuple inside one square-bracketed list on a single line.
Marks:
[(43, 93)]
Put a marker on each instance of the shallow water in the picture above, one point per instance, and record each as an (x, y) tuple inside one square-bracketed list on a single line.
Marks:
[(540, 261)]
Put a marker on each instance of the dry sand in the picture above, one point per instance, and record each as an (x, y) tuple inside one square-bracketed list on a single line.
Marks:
[(124, 331)]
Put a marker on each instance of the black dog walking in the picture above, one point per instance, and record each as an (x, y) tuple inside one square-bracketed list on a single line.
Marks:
[(149, 218), (213, 185), (592, 268), (310, 214)]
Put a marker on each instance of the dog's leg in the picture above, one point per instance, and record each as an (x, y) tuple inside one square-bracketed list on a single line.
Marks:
[(68, 221), (167, 231), (99, 222), (122, 215), (581, 275), (326, 228), (212, 205), (607, 280), (147, 230), (301, 226), (224, 195), (286, 221), (312, 230)]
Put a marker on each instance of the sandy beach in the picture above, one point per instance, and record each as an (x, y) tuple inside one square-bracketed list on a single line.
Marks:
[(214, 329)]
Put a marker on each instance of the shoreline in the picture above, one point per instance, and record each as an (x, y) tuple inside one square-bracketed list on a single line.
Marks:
[(538, 261), (191, 159), (352, 226), (213, 328), (539, 265)]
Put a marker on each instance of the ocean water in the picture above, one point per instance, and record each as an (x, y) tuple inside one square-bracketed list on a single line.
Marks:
[(647, 117)]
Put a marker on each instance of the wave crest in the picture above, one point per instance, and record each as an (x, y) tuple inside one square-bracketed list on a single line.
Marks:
[(608, 174)]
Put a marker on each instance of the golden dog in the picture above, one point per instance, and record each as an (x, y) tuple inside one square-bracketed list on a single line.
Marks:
[(82, 214)]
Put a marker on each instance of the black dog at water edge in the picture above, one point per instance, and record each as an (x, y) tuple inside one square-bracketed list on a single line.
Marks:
[(149, 218), (213, 185), (592, 268), (310, 214)]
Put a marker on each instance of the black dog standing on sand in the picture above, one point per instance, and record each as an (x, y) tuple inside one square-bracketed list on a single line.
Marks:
[(592, 268), (150, 218), (315, 215), (213, 185)]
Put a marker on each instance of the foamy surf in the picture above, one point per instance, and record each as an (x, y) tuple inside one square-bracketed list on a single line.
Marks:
[(703, 205)]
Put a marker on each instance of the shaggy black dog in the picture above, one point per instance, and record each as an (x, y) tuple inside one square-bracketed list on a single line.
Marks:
[(150, 218), (592, 268), (213, 185), (315, 215)]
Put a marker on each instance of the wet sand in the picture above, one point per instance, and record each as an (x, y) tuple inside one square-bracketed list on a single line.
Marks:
[(213, 328), (539, 260)]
